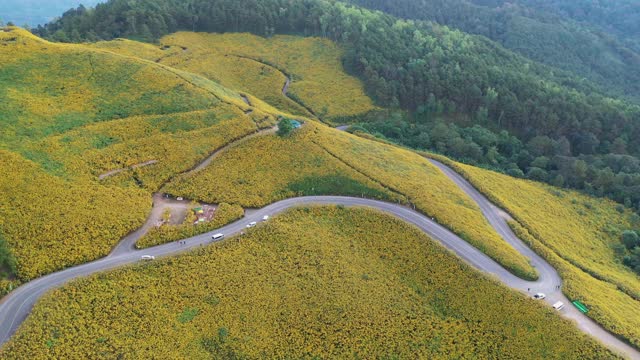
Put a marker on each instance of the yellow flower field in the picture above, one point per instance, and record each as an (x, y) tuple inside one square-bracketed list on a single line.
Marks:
[(312, 283), (54, 88), (51, 223), (255, 65), (270, 168), (245, 175), (428, 189), (71, 113), (176, 141), (575, 233)]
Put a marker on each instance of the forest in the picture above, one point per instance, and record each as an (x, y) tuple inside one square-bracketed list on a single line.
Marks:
[(538, 32), (620, 18)]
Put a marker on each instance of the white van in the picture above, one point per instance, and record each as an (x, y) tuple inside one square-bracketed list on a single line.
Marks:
[(559, 305), (147, 257), (217, 237), (265, 218)]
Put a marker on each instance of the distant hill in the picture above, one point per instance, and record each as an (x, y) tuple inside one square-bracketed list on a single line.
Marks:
[(620, 18), (37, 12), (544, 31)]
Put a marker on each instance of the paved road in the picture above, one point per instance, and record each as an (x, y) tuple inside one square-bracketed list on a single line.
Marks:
[(549, 277), (16, 306)]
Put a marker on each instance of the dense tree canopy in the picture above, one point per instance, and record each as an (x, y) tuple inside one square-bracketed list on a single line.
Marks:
[(539, 31), (620, 18)]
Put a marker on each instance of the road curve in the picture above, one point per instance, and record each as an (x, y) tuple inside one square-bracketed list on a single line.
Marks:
[(549, 277), (16, 306)]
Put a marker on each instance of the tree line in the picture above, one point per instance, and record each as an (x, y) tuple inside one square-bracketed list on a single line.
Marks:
[(629, 250), (609, 172)]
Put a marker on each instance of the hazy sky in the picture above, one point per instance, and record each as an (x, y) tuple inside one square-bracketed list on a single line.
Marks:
[(34, 12)]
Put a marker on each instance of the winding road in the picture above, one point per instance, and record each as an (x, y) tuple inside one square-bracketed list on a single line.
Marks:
[(16, 306)]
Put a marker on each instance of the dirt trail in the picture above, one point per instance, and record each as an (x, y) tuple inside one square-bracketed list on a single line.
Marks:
[(215, 154), (160, 204), (287, 83), (245, 98), (285, 88), (117, 171)]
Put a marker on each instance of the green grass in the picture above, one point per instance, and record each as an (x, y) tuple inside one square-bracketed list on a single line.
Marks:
[(334, 184), (188, 314), (7, 260)]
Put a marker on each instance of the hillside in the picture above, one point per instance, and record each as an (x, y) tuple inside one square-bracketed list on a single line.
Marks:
[(311, 68), (71, 114), (311, 283), (100, 140), (579, 235), (103, 129), (433, 72), (341, 164), (620, 18)]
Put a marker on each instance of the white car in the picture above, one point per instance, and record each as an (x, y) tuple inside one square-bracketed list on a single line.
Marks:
[(265, 218), (251, 224), (558, 306), (147, 257), (539, 296)]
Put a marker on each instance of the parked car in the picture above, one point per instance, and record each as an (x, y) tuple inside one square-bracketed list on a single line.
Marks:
[(265, 218), (558, 306), (539, 296), (147, 257), (251, 224)]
